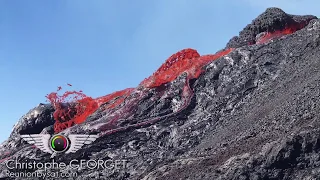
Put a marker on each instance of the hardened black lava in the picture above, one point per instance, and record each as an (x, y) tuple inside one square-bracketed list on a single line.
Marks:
[(252, 114)]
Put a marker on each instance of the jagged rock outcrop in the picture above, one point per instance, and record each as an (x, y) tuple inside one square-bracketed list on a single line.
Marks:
[(252, 114), (273, 19), (37, 120)]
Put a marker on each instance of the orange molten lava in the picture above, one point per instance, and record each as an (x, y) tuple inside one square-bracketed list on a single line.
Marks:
[(279, 33), (117, 98), (74, 107), (186, 60)]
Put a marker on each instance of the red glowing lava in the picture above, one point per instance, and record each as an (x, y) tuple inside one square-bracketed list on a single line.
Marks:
[(279, 33), (186, 60), (71, 108), (74, 107)]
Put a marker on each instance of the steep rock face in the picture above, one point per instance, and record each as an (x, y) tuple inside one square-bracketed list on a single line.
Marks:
[(252, 114)]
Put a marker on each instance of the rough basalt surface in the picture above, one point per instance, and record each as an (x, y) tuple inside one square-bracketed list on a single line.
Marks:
[(273, 19), (252, 114)]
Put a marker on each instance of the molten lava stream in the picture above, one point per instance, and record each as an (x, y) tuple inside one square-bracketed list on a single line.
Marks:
[(178, 63), (187, 95), (187, 60), (279, 33), (74, 107), (174, 66), (123, 112), (175, 61)]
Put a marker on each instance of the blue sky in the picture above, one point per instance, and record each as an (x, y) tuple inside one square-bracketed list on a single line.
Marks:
[(102, 46)]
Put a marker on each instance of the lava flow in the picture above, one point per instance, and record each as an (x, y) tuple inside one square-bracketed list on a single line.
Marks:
[(279, 33), (74, 107), (186, 60)]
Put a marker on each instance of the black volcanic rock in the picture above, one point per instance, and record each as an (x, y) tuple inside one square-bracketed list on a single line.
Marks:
[(253, 115), (271, 20), (35, 120)]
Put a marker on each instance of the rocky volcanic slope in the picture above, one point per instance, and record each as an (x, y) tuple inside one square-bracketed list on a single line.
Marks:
[(252, 114)]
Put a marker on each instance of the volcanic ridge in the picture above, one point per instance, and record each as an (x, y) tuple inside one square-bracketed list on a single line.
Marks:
[(249, 111)]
